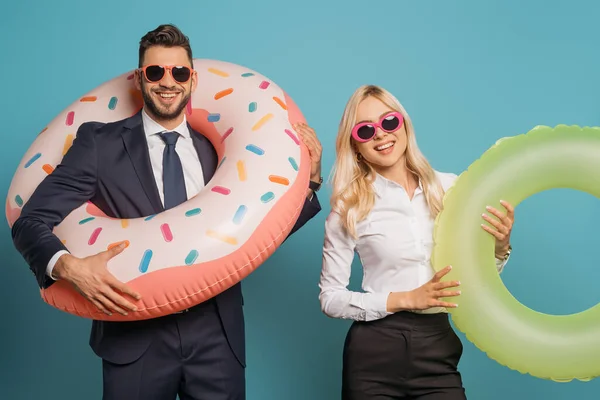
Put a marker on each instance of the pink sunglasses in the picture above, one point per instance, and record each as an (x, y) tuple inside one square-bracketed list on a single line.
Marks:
[(365, 131)]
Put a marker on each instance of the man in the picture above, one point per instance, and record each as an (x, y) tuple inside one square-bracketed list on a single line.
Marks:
[(198, 353)]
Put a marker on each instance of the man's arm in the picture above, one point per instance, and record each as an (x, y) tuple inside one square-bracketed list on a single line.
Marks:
[(72, 183), (310, 208)]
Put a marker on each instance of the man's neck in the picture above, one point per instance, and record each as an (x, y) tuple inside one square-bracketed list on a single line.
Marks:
[(168, 124)]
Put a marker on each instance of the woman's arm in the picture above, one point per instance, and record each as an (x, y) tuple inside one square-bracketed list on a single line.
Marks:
[(336, 300)]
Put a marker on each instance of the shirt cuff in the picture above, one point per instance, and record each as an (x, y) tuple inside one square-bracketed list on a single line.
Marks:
[(53, 261), (376, 306), (500, 264)]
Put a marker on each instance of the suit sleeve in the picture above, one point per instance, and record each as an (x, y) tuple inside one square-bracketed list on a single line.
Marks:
[(72, 183), (309, 210)]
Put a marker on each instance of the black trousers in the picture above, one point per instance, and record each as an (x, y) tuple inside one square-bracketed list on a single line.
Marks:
[(402, 356), (189, 356)]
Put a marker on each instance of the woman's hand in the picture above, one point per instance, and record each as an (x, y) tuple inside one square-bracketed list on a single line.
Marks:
[(501, 227), (425, 296)]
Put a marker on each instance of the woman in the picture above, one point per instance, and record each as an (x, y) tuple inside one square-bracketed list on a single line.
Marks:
[(385, 198)]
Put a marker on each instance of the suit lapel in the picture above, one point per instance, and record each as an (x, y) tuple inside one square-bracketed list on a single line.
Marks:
[(136, 146), (206, 154)]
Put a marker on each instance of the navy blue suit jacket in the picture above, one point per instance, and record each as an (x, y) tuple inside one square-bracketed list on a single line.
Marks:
[(109, 165)]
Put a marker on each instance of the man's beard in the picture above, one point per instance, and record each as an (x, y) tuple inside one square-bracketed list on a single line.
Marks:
[(170, 113)]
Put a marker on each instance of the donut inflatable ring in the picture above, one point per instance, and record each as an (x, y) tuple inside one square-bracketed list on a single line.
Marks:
[(192, 252), (554, 347)]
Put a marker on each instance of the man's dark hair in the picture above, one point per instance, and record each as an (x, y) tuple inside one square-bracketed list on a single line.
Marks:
[(165, 35)]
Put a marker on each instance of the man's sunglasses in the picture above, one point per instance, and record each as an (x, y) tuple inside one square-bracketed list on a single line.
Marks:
[(154, 73)]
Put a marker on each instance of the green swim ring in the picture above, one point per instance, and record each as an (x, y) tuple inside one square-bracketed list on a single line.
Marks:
[(555, 347)]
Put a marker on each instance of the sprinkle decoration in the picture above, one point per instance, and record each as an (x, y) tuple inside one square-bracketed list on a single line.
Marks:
[(48, 168), (94, 236), (221, 190), (241, 168), (32, 160), (293, 163), (280, 102), (112, 104), (240, 214), (145, 261), (191, 257), (255, 149), (223, 93), (279, 180), (70, 118), (224, 238), (262, 121), (193, 212), (267, 197), (218, 72), (115, 244), (294, 137), (226, 134), (68, 144), (166, 232)]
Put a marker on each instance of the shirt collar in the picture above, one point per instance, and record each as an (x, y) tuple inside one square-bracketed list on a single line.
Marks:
[(151, 127), (381, 185)]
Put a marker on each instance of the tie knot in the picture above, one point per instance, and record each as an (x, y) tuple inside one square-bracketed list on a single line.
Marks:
[(170, 138)]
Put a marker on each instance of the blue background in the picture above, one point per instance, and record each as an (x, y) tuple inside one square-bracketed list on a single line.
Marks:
[(468, 72)]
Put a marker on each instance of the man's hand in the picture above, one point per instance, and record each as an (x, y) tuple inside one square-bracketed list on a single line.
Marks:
[(91, 278), (309, 137)]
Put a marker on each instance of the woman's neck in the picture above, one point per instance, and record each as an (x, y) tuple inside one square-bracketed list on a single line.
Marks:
[(400, 174)]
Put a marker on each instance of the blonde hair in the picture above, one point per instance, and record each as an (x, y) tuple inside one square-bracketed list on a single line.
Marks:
[(353, 196)]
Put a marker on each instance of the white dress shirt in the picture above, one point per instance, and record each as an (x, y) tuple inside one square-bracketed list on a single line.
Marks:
[(192, 168), (394, 244)]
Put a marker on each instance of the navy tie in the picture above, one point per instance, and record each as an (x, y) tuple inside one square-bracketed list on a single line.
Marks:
[(173, 181)]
